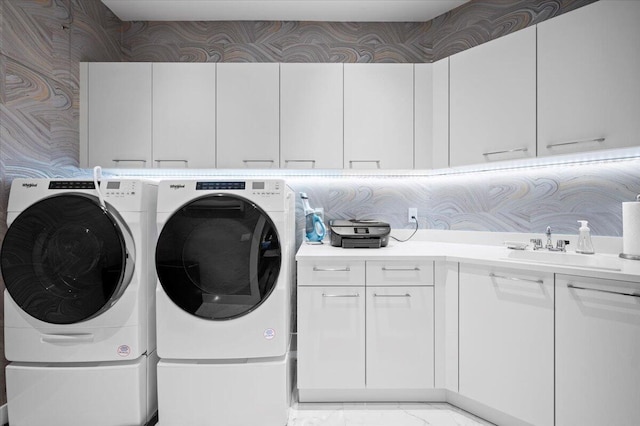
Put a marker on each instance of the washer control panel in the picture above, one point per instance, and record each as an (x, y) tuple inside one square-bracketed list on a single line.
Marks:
[(117, 188)]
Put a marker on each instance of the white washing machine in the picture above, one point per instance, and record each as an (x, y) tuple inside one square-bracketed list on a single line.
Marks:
[(79, 303), (224, 260)]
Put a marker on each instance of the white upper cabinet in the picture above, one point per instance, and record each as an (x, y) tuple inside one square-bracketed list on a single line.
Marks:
[(248, 115), (378, 116), (588, 89), (311, 113), (493, 100), (423, 116), (118, 115), (440, 131), (184, 111)]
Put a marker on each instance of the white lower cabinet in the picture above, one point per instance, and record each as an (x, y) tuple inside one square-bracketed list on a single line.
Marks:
[(331, 337), (506, 339), (597, 352), (362, 337), (400, 350)]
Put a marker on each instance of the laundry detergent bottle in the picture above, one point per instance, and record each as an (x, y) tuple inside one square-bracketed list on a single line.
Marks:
[(314, 229), (585, 246)]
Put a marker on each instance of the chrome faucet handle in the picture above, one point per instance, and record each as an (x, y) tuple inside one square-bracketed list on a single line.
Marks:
[(561, 245), (537, 243)]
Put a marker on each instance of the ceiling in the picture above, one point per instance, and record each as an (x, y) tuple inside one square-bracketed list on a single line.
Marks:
[(281, 10)]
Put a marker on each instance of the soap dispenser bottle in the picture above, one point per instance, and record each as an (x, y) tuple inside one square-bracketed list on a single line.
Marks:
[(585, 246), (314, 229)]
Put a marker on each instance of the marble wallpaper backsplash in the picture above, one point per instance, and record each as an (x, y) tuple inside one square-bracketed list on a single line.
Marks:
[(518, 200), (466, 26)]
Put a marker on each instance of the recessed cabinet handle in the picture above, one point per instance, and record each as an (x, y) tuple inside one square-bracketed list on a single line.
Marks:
[(124, 160), (503, 277), (173, 161), (391, 295), (525, 149), (313, 162), (553, 145), (316, 269), (364, 161), (619, 293), (341, 295), (247, 162), (384, 268)]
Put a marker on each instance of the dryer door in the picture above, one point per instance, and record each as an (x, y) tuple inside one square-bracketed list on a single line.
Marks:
[(64, 259), (218, 257)]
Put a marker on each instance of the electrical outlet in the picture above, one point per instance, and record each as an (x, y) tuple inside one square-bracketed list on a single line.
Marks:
[(413, 212)]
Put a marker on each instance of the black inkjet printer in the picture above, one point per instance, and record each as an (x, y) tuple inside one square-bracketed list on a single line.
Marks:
[(356, 233)]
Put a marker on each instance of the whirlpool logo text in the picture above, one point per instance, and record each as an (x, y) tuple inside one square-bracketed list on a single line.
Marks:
[(29, 185), (176, 186)]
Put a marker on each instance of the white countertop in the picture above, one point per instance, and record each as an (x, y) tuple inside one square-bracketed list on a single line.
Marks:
[(606, 266)]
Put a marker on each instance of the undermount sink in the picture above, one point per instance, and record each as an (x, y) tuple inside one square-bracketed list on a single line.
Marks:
[(595, 261)]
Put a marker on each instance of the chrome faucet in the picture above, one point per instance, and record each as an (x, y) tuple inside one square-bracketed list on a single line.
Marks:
[(561, 245), (549, 245)]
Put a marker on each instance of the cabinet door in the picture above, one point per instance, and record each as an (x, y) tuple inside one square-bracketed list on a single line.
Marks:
[(441, 114), (400, 350), (248, 134), (493, 100), (184, 111), (423, 116), (588, 90), (119, 122), (378, 116), (311, 114), (597, 352), (331, 337), (506, 341)]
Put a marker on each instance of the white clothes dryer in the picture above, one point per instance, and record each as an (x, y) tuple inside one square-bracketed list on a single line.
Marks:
[(79, 301), (224, 260)]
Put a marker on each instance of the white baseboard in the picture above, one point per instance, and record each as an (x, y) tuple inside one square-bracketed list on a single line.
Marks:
[(4, 415)]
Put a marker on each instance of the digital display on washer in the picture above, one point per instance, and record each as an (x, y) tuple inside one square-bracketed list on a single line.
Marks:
[(113, 185), (257, 185), (208, 186), (71, 184)]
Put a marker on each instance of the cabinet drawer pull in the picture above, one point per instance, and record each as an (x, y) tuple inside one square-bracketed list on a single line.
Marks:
[(492, 275), (619, 293), (341, 295), (316, 269), (384, 268), (506, 151), (313, 162), (391, 295), (553, 145), (173, 161), (124, 160), (364, 161)]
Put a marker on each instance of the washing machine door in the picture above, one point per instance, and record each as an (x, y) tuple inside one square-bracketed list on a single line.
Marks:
[(218, 257), (64, 259)]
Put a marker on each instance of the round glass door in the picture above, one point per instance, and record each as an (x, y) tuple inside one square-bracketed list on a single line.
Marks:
[(64, 259), (218, 257)]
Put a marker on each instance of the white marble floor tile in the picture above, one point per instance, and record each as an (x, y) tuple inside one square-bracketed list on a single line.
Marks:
[(375, 414)]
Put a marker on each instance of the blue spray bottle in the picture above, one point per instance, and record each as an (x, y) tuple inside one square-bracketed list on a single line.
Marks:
[(314, 228)]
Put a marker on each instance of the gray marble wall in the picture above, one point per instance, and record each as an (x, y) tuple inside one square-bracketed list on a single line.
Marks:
[(41, 45)]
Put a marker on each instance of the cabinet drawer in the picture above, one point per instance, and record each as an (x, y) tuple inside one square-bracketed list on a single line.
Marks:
[(396, 272), (331, 273)]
